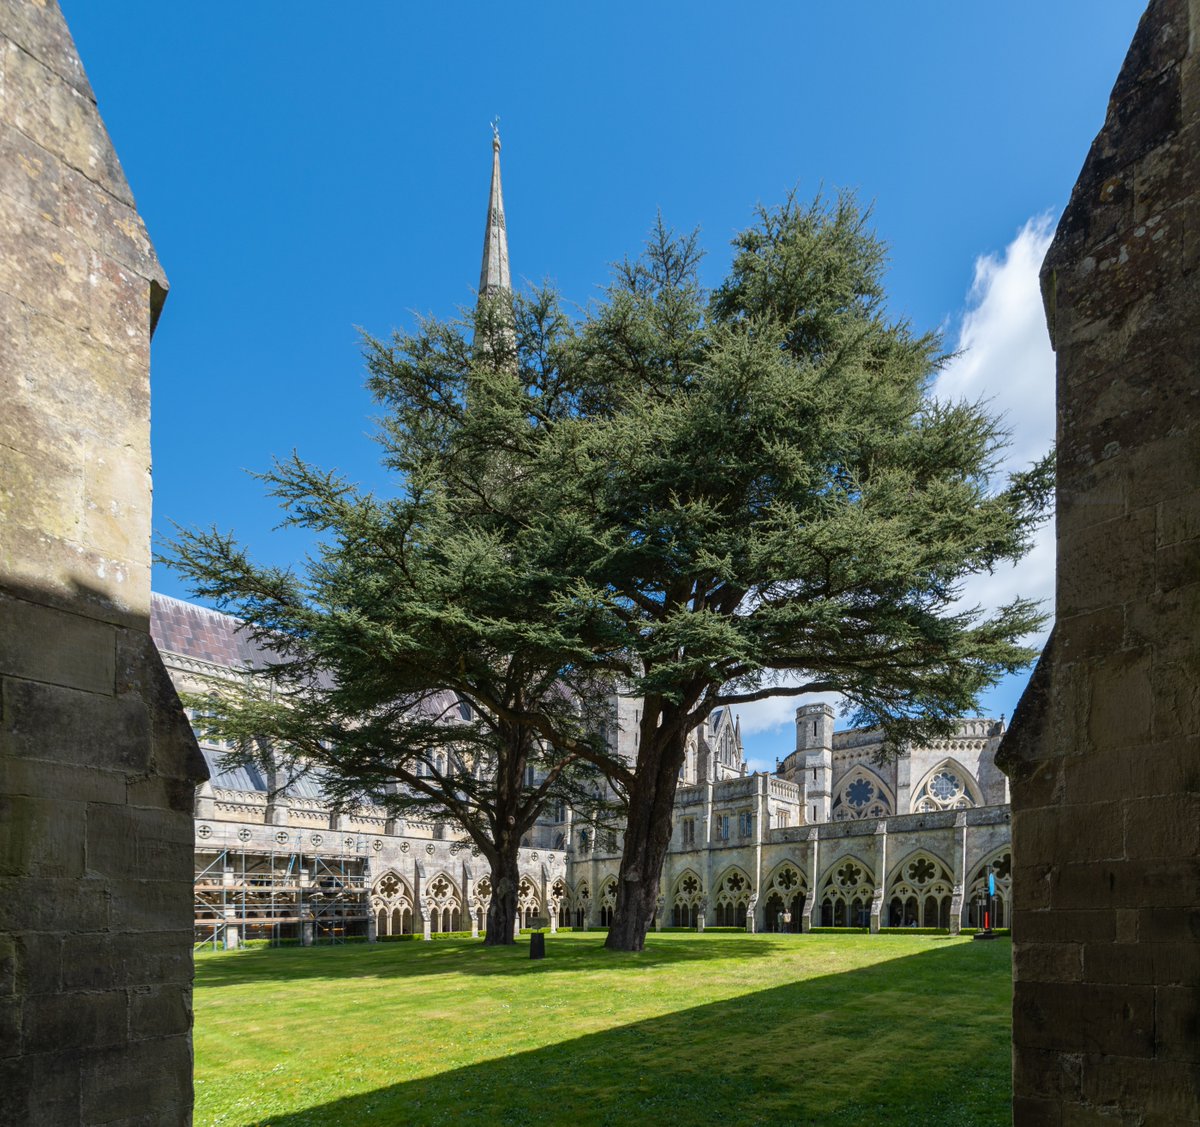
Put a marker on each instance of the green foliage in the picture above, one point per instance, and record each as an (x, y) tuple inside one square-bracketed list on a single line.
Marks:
[(913, 931), (703, 498), (840, 930)]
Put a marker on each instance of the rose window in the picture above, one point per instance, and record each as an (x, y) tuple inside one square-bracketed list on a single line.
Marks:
[(735, 883), (440, 887), (389, 886), (921, 871), (483, 888), (787, 879), (944, 786), (690, 885), (849, 875), (859, 793)]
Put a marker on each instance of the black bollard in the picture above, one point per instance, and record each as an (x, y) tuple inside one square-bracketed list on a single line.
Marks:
[(537, 945)]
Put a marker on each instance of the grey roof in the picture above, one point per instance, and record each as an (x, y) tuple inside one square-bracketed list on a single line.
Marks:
[(244, 778)]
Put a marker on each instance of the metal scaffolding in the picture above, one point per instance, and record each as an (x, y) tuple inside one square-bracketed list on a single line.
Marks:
[(284, 894)]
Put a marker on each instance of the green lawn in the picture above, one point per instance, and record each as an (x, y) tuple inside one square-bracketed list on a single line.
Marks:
[(707, 1029)]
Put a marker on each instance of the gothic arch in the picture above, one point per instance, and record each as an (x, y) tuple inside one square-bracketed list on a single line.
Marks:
[(392, 904), (949, 786), (529, 900), (686, 898), (999, 862), (583, 902), (919, 891), (846, 892), (560, 898), (731, 896), (862, 793), (608, 899), (443, 903), (481, 899), (785, 893)]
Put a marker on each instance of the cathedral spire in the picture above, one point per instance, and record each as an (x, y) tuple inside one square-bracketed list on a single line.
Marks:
[(494, 276)]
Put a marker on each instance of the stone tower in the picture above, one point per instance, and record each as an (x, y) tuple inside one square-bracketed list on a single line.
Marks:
[(494, 336), (97, 760), (814, 752), (494, 276)]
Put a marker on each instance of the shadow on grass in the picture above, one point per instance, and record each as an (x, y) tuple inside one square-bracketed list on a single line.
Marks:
[(446, 956), (920, 1039)]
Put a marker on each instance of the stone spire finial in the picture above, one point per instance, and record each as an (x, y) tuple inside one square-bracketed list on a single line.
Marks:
[(494, 276)]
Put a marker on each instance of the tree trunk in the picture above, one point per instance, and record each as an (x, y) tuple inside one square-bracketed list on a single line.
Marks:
[(506, 876), (502, 910), (647, 838)]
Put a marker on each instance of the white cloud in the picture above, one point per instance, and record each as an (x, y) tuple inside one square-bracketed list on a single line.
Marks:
[(1004, 359), (777, 712), (1004, 355)]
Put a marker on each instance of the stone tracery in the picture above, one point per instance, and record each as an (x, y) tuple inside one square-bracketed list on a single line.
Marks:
[(608, 900), (921, 893), (862, 794), (529, 903), (948, 786), (787, 891), (685, 900), (1000, 866), (392, 905), (846, 894), (443, 906), (732, 898)]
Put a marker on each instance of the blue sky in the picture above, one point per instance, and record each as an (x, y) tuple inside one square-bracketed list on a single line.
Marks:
[(305, 169)]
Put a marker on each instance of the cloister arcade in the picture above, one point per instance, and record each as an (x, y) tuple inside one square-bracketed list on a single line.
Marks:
[(686, 900), (919, 892), (1000, 866), (608, 901), (846, 894), (786, 893), (443, 904), (732, 898), (392, 903)]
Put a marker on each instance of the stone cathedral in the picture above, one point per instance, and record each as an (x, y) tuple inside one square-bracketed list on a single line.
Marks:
[(830, 839)]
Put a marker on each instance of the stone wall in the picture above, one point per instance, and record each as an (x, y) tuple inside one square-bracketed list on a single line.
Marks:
[(97, 762), (1104, 752)]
